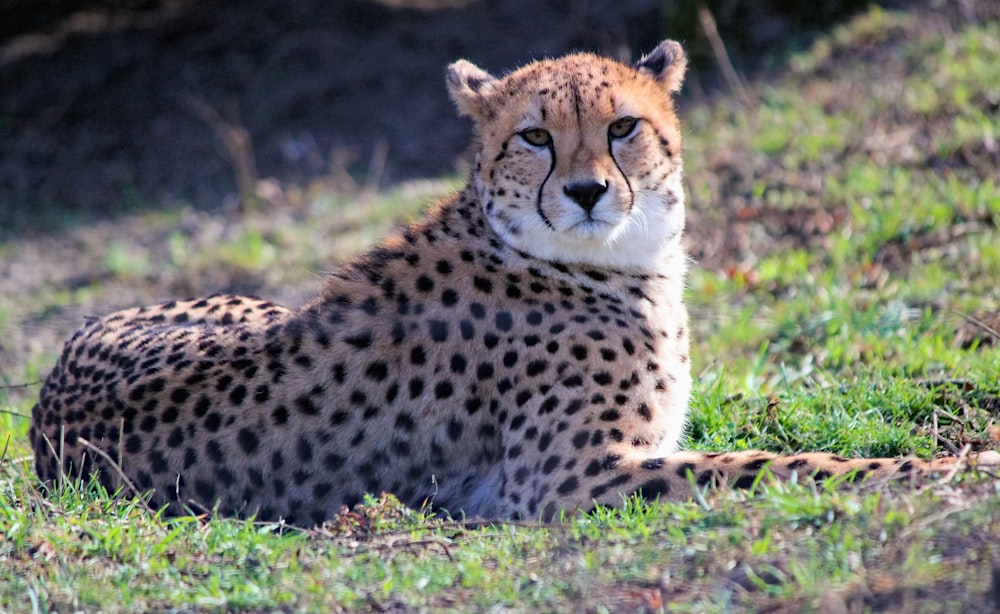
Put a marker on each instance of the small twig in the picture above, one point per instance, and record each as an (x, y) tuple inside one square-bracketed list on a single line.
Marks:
[(340, 159), (722, 57), (58, 457), (6, 444), (419, 543), (937, 433), (961, 462), (971, 319), (196, 510), (376, 167), (121, 438), (19, 386), (237, 142), (124, 478), (932, 519), (429, 501)]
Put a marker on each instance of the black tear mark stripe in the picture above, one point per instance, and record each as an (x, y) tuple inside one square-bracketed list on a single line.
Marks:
[(631, 192), (538, 201)]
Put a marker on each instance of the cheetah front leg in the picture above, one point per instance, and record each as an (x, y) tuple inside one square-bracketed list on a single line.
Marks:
[(606, 481)]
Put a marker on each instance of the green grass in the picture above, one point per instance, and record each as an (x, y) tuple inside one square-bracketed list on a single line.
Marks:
[(840, 339)]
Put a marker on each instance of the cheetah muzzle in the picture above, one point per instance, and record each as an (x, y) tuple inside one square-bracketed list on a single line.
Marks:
[(520, 351)]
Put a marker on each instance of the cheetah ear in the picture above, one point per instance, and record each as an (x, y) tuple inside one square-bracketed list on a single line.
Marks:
[(469, 87), (666, 64)]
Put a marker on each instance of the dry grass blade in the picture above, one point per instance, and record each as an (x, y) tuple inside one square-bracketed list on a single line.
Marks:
[(121, 475), (237, 142), (732, 78), (978, 323)]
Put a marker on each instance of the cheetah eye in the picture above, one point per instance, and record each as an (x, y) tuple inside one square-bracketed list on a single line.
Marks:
[(623, 127), (536, 137)]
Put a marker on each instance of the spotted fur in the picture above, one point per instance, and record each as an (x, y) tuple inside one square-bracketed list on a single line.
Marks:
[(520, 351)]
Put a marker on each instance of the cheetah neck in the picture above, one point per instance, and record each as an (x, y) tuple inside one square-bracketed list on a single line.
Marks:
[(458, 227)]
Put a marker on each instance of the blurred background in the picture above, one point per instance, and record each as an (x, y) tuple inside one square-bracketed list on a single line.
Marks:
[(112, 105)]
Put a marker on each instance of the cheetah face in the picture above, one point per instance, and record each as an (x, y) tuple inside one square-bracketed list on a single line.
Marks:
[(579, 157)]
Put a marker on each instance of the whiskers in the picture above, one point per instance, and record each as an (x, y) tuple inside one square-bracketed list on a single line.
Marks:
[(639, 218)]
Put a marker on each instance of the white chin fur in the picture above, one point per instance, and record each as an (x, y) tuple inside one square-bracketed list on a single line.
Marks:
[(648, 240)]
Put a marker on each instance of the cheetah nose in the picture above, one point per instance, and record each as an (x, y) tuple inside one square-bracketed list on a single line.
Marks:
[(586, 193)]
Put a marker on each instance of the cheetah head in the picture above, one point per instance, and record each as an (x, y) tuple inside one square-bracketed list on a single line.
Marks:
[(579, 158)]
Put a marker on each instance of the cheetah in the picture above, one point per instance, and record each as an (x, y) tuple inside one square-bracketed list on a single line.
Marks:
[(521, 351)]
